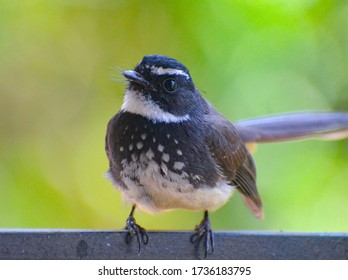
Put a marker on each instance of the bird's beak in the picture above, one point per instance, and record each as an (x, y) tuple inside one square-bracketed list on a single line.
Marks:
[(134, 76)]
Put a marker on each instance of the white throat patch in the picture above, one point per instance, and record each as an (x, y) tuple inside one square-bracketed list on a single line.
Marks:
[(137, 104)]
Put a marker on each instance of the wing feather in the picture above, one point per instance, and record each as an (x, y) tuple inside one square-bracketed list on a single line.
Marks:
[(233, 158)]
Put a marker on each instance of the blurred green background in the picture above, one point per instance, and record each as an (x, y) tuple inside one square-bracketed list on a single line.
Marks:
[(60, 83)]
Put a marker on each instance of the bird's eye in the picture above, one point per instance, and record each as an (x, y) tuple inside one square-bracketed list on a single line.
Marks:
[(170, 85)]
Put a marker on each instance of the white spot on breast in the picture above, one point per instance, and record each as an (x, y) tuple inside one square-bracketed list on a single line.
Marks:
[(164, 168), (197, 177), (165, 157), (150, 154), (153, 139), (134, 157), (178, 165), (176, 141), (124, 162), (168, 135), (132, 137), (130, 147), (121, 149), (143, 136), (179, 152), (139, 145), (160, 148), (143, 158)]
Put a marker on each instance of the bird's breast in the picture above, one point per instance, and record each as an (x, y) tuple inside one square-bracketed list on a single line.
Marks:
[(165, 166)]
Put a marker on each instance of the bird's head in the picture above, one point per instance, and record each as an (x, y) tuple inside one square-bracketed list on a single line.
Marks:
[(161, 89)]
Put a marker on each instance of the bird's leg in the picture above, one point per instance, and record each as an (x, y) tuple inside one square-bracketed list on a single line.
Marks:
[(135, 230), (204, 232)]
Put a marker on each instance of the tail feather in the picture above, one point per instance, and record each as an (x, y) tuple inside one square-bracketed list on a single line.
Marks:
[(294, 126), (254, 206)]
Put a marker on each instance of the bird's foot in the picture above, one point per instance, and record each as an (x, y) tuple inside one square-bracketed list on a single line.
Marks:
[(134, 230), (204, 232)]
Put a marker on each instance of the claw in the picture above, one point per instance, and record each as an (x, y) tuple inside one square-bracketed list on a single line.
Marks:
[(203, 231), (134, 230)]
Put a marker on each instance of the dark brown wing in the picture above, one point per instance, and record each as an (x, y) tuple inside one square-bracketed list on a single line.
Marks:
[(233, 158)]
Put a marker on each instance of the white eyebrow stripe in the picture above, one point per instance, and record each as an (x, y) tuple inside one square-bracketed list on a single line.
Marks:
[(168, 71)]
